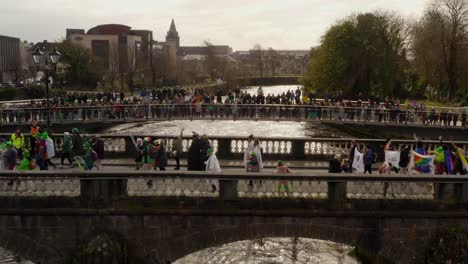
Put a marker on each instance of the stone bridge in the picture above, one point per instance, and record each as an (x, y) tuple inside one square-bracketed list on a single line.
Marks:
[(65, 217), (329, 115)]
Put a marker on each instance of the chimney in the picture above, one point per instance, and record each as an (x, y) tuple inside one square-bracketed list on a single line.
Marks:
[(45, 41)]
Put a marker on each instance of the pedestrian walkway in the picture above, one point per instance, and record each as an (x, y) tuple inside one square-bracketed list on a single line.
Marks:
[(126, 164)]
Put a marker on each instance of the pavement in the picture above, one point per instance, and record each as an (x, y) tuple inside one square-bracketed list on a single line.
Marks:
[(128, 165)]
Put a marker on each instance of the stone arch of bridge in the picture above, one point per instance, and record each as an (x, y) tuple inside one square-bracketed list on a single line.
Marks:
[(173, 248)]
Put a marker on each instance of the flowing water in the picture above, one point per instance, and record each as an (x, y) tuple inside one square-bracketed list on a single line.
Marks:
[(234, 128), (274, 251), (229, 128), (272, 90)]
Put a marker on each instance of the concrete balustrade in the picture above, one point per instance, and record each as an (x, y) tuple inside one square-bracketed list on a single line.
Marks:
[(443, 117), (334, 187)]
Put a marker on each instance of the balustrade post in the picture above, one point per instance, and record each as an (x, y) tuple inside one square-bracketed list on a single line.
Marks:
[(336, 191), (228, 189), (129, 146), (451, 192), (298, 149), (91, 189), (461, 192), (224, 148)]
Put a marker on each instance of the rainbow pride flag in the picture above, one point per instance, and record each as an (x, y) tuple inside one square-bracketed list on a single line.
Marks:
[(422, 164)]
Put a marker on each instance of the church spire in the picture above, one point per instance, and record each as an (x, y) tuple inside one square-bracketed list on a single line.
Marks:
[(173, 28), (173, 35)]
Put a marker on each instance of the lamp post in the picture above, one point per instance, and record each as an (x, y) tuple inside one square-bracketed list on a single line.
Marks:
[(54, 58)]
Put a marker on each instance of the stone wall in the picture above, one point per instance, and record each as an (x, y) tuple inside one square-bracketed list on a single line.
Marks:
[(56, 237)]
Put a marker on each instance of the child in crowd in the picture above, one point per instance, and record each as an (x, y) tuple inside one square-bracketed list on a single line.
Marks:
[(282, 169)]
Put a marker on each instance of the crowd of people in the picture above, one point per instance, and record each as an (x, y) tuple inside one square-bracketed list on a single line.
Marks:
[(447, 158), (152, 155), (37, 150), (19, 154), (166, 103), (87, 153)]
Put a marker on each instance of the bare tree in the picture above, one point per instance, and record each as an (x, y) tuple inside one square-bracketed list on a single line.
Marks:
[(257, 57), (439, 47), (158, 65), (113, 67), (273, 60), (453, 22), (134, 53), (211, 62)]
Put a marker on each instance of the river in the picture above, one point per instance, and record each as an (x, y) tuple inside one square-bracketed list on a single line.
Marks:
[(274, 251), (234, 128)]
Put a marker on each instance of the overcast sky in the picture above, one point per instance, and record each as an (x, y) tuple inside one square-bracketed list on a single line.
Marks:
[(281, 24)]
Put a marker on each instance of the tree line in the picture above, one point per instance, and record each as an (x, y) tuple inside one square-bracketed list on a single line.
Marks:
[(384, 54)]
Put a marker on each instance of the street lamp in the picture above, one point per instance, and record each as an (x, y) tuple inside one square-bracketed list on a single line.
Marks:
[(54, 58)]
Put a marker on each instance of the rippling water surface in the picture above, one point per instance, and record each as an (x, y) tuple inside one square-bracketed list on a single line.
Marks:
[(234, 128), (273, 90), (229, 128), (274, 251)]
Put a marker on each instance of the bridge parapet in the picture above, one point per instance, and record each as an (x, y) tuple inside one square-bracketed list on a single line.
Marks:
[(451, 117), (333, 187)]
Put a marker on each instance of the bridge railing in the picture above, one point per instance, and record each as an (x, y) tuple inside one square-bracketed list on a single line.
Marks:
[(336, 187), (122, 145), (139, 112)]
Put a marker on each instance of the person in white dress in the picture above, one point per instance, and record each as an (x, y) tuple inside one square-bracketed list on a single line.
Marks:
[(212, 166)]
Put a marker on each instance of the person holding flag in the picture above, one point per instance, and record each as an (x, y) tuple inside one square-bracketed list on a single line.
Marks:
[(460, 165)]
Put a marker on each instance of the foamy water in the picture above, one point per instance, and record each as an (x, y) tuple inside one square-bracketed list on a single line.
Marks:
[(274, 250)]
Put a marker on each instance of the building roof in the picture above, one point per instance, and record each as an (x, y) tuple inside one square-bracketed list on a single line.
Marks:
[(204, 50), (109, 29), (294, 53), (45, 46)]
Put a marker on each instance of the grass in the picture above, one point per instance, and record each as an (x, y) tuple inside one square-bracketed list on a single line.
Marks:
[(437, 104)]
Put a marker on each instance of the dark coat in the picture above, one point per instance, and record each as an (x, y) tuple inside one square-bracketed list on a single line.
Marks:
[(161, 157), (77, 142), (193, 159), (204, 147), (404, 158), (334, 166)]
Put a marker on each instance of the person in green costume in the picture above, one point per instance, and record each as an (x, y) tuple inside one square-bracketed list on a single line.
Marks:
[(27, 163), (88, 157)]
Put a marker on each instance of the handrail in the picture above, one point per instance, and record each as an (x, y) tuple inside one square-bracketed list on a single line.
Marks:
[(260, 138), (239, 176), (74, 107), (318, 100)]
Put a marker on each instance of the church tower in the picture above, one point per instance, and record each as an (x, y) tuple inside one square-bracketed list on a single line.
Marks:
[(173, 35), (170, 52)]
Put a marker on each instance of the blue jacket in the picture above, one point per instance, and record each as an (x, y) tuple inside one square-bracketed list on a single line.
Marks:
[(369, 157)]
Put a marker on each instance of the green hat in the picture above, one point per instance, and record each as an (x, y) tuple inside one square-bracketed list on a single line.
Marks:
[(75, 130), (8, 144), (25, 154), (210, 150), (87, 145), (45, 135)]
